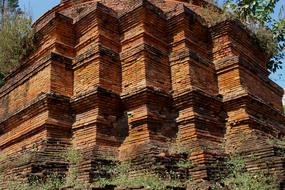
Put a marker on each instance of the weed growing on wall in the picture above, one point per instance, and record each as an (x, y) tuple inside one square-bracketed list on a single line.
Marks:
[(127, 174), (279, 144), (256, 17), (178, 148), (239, 178), (157, 177), (51, 182), (186, 164), (121, 176), (74, 158)]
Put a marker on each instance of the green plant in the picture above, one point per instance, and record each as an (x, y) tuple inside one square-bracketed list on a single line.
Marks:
[(103, 182), (214, 15), (16, 40), (239, 178), (235, 164), (120, 175), (279, 144), (178, 148), (50, 183), (16, 185), (23, 159), (10, 5), (185, 164), (148, 181), (251, 181), (257, 16), (19, 160), (72, 156), (71, 178)]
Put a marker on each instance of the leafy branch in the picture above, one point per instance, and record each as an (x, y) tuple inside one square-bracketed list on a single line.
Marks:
[(258, 16)]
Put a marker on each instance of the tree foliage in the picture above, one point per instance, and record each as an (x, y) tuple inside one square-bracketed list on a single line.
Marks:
[(260, 17), (16, 36), (8, 7)]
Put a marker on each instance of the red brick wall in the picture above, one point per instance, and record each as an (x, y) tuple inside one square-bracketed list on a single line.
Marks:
[(119, 78), (10, 141), (23, 94)]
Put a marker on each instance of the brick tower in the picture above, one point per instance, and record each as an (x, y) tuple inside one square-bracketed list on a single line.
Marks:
[(123, 78)]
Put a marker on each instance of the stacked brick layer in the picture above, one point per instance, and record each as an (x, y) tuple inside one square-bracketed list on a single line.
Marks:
[(124, 78)]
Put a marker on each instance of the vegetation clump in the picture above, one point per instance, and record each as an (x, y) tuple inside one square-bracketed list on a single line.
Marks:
[(121, 176), (128, 175), (239, 178), (50, 182), (16, 36), (256, 16), (74, 158)]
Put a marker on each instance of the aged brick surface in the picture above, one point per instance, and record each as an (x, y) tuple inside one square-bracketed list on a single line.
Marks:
[(124, 78)]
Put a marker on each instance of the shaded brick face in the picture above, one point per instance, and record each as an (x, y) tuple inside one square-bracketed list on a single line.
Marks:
[(26, 127), (23, 94), (123, 79)]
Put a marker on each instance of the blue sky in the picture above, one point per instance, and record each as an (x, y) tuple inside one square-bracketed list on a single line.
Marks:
[(39, 7), (279, 76)]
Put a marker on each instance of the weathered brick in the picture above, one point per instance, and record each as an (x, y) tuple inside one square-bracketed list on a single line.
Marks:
[(122, 79)]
